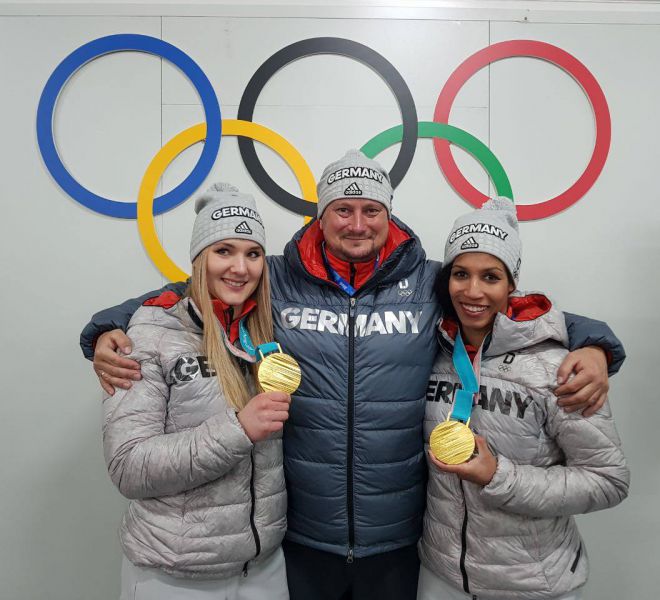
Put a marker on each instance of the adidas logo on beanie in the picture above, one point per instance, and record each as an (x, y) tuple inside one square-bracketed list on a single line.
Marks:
[(224, 213), (492, 229), (354, 176)]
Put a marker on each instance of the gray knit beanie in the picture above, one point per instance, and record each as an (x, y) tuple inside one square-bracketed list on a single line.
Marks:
[(224, 213), (492, 229), (354, 177)]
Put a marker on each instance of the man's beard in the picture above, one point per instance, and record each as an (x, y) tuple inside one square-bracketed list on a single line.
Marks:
[(363, 253)]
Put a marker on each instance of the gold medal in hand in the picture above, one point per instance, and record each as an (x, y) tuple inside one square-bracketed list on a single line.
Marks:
[(277, 371), (452, 442)]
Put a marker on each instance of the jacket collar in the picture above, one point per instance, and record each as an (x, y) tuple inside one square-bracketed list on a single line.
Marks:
[(402, 251), (230, 336), (359, 273), (531, 318), (228, 321)]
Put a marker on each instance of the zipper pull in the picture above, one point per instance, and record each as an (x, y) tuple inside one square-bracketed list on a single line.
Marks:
[(351, 310), (245, 570), (349, 557)]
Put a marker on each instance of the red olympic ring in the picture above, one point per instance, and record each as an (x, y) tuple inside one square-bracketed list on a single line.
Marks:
[(577, 71)]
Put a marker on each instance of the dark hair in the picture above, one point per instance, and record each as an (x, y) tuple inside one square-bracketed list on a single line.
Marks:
[(441, 289)]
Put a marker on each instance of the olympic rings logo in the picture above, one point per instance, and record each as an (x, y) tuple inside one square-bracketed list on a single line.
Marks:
[(405, 134)]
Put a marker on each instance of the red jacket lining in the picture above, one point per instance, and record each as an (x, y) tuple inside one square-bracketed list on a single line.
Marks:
[(311, 255), (222, 311)]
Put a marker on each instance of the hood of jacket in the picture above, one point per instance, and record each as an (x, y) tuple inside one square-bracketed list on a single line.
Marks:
[(177, 313)]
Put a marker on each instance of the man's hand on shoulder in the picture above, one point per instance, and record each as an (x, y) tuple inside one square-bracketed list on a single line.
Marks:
[(112, 369), (587, 390)]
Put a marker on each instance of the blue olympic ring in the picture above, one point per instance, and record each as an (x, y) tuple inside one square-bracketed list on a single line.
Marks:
[(121, 43)]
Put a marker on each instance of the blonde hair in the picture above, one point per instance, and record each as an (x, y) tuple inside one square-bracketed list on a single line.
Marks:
[(259, 324)]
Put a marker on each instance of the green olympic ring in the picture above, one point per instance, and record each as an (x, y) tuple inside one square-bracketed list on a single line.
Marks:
[(459, 137)]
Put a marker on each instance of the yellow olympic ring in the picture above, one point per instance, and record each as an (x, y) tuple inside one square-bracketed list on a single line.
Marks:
[(182, 141)]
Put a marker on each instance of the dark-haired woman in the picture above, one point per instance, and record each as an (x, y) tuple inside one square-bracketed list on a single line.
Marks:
[(500, 526)]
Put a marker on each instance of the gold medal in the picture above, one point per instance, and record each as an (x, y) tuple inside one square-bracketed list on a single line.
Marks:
[(279, 372), (452, 442)]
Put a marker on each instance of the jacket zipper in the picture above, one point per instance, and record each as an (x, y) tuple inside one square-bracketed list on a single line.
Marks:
[(466, 585), (349, 432), (351, 392), (255, 533)]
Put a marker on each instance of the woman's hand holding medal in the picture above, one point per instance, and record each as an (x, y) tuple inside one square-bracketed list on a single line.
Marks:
[(279, 376), (479, 469), (264, 414)]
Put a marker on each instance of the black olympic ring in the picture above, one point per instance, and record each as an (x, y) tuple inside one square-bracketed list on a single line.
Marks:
[(325, 45)]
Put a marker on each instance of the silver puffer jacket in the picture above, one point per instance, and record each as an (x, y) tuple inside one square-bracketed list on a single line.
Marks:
[(515, 538), (206, 501)]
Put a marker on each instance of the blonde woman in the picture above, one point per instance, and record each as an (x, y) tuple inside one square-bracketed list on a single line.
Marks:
[(193, 444)]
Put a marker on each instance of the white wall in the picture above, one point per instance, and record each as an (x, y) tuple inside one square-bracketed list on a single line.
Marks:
[(61, 262)]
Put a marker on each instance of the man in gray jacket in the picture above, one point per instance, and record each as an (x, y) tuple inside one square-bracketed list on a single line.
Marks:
[(353, 302)]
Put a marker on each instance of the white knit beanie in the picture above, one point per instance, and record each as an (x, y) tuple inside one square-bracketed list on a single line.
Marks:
[(224, 213), (492, 229), (354, 177)]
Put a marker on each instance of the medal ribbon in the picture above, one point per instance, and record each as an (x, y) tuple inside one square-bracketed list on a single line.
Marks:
[(469, 376), (248, 346), (242, 353), (337, 278), (280, 373)]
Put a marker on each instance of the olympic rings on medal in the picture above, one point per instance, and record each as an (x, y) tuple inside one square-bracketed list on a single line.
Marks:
[(185, 139), (325, 45), (118, 43), (577, 71), (463, 139)]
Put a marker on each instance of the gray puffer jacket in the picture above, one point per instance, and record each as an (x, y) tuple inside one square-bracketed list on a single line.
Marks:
[(515, 538), (206, 501)]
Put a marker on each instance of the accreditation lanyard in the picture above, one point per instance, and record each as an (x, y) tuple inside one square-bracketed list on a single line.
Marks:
[(469, 376), (337, 278)]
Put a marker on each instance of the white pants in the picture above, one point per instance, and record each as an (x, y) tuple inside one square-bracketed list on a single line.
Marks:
[(432, 587), (264, 580)]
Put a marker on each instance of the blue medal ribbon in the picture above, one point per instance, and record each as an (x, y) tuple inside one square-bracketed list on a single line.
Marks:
[(246, 340), (261, 350), (463, 398)]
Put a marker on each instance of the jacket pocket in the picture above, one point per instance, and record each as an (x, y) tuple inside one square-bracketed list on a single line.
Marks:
[(576, 560)]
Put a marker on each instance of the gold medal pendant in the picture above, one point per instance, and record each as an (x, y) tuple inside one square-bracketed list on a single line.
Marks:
[(279, 372), (452, 442)]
